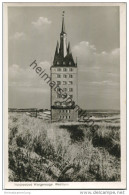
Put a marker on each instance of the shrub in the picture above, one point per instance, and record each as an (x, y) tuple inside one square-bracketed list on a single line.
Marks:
[(43, 147), (105, 137), (20, 141), (115, 150), (76, 133)]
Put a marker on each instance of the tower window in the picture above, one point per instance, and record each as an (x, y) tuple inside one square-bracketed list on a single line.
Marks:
[(70, 82), (64, 83), (65, 89), (58, 82), (58, 95), (64, 103), (58, 76), (57, 103), (64, 69), (70, 89), (70, 76), (64, 76), (70, 69)]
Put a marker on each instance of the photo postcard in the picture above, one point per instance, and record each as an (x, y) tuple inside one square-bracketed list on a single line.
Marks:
[(64, 85)]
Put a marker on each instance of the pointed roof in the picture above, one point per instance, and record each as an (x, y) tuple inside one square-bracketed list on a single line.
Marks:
[(63, 54), (63, 24), (56, 52), (69, 48)]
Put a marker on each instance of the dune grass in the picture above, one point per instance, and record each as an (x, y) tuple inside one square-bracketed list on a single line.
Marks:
[(41, 151)]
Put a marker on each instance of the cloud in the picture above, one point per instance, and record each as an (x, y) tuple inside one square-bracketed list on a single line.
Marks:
[(18, 36), (116, 52), (104, 83), (100, 65), (42, 23), (98, 75), (26, 88), (88, 57), (27, 77)]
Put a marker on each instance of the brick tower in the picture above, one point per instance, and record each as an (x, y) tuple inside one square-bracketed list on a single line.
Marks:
[(64, 74)]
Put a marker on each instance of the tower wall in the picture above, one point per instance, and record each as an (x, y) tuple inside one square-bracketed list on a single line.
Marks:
[(64, 93), (64, 115), (68, 84), (61, 108)]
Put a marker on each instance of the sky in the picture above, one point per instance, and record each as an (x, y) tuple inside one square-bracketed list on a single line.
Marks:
[(94, 36)]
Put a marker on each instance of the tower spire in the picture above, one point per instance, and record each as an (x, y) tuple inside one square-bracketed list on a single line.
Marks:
[(63, 39), (63, 24)]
